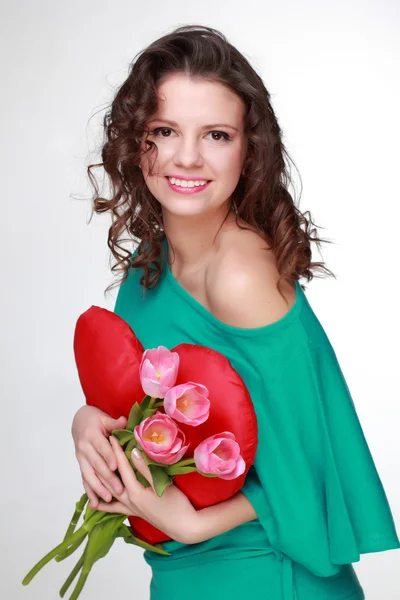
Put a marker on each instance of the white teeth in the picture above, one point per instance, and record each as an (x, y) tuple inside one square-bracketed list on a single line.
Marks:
[(185, 183)]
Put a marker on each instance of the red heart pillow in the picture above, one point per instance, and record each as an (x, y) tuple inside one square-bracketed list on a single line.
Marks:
[(108, 356)]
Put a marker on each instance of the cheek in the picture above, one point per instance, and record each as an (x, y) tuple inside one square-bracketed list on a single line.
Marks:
[(227, 164), (157, 158)]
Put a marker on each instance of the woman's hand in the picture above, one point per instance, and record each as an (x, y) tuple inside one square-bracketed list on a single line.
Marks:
[(172, 513), (90, 430)]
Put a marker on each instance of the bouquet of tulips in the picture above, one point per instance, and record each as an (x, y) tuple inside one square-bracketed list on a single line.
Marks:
[(158, 435), (152, 427)]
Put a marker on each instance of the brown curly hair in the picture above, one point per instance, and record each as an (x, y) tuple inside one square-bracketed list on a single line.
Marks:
[(261, 197)]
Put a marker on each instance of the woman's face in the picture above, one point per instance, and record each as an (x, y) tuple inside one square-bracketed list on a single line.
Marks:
[(199, 133)]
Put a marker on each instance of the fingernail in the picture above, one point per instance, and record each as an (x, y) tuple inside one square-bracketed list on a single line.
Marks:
[(136, 453)]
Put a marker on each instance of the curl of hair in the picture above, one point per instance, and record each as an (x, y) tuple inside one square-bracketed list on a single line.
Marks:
[(261, 198)]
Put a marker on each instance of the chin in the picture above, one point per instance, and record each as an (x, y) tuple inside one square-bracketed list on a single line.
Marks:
[(185, 209)]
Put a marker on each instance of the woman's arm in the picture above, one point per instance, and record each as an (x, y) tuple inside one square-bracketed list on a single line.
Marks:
[(221, 517)]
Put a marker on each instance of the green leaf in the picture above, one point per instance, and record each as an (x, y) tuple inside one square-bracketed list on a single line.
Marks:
[(160, 479), (131, 445), (89, 512), (122, 435), (149, 412), (129, 457), (135, 416), (144, 405), (101, 538), (142, 479), (127, 534)]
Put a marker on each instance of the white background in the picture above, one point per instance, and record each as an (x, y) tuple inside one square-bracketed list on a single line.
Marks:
[(332, 70)]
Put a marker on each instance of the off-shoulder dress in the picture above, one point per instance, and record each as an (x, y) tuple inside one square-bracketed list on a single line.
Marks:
[(314, 486)]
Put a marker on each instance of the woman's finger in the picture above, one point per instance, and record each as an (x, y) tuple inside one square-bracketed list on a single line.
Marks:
[(123, 497), (118, 505), (90, 494), (106, 485), (114, 507), (128, 476), (90, 476), (99, 465), (105, 450), (142, 467)]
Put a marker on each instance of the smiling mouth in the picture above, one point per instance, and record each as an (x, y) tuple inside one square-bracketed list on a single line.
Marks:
[(207, 180)]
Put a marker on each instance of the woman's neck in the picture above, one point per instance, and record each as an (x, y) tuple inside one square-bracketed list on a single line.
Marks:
[(194, 241)]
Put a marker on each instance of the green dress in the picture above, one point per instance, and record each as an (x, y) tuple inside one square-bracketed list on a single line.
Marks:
[(315, 489)]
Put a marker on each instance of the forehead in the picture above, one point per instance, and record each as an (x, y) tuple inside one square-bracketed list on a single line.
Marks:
[(182, 98)]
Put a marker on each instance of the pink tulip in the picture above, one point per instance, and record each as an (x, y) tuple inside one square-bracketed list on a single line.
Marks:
[(188, 403), (158, 371), (161, 439), (220, 455)]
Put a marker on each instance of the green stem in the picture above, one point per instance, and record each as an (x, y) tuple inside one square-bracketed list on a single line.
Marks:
[(70, 551), (159, 404), (80, 505), (171, 471), (82, 532), (151, 403), (64, 546), (81, 582), (184, 463), (72, 576)]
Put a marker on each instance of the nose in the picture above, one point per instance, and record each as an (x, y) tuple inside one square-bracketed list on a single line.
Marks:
[(187, 153)]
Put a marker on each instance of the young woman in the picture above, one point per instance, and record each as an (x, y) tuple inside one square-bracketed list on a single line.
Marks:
[(196, 161)]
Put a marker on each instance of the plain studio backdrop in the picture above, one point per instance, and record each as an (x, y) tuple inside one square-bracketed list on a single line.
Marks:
[(332, 71)]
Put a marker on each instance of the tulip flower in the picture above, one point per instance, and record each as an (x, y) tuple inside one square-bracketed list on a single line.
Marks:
[(220, 455), (188, 403), (157, 435), (158, 371), (161, 439)]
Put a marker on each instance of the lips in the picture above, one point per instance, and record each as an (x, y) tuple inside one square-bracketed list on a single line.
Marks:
[(194, 189), (199, 179)]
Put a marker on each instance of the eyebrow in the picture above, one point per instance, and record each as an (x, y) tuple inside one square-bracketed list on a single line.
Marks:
[(175, 124)]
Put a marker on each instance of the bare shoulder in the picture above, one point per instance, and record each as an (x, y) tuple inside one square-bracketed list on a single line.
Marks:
[(242, 283)]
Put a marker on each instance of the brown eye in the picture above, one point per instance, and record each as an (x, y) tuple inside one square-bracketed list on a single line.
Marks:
[(225, 136), (155, 131)]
